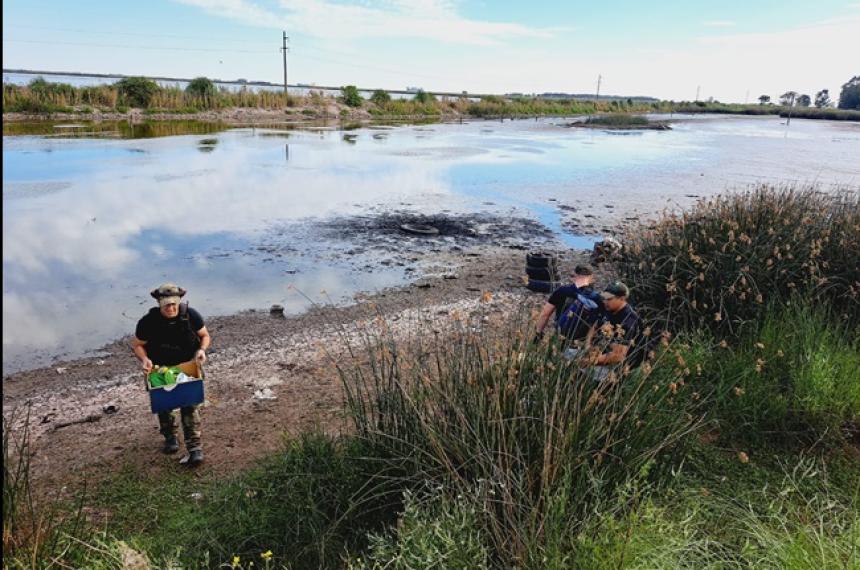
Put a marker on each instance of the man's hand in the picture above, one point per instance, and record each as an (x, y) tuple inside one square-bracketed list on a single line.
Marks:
[(146, 364), (200, 357)]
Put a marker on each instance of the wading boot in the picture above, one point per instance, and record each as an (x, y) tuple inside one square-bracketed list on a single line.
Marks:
[(195, 457), (171, 445)]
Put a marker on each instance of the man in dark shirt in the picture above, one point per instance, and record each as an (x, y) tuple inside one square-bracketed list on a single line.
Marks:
[(612, 336), (618, 327), (168, 335), (576, 306)]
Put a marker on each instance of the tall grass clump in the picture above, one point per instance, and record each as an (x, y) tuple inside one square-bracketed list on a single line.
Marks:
[(793, 377), (719, 265), (308, 504), (799, 521), (37, 532), (486, 414)]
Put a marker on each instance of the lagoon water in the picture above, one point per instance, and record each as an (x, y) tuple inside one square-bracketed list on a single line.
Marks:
[(96, 216)]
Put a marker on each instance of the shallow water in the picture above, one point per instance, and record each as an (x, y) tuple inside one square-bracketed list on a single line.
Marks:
[(94, 216)]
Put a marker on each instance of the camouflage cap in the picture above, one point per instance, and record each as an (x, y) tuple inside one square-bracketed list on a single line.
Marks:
[(168, 294)]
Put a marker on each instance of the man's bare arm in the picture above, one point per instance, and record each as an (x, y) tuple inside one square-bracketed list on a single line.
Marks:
[(205, 341), (614, 356), (139, 348), (545, 314)]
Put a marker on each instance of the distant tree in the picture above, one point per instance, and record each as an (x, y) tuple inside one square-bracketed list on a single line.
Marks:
[(763, 99), (42, 87), (787, 98), (849, 98), (804, 101), (380, 97), (424, 97), (822, 99), (201, 87), (629, 102), (137, 91), (351, 96)]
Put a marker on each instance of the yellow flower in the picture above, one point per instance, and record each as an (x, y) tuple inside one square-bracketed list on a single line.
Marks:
[(236, 561), (266, 555)]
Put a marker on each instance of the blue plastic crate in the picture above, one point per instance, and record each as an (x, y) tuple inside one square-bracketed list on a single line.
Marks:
[(165, 398)]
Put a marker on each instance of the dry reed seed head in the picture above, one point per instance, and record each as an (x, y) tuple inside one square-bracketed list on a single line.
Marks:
[(718, 317), (739, 391), (724, 344), (759, 345), (759, 364), (743, 457)]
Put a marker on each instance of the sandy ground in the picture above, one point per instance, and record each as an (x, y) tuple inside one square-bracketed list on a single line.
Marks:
[(90, 417)]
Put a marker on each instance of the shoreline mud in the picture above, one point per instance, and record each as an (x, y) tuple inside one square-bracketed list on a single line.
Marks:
[(267, 375)]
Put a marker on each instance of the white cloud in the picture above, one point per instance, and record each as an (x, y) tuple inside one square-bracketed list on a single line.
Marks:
[(421, 19), (719, 24)]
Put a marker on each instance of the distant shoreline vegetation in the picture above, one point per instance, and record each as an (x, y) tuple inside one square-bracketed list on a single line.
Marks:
[(41, 99)]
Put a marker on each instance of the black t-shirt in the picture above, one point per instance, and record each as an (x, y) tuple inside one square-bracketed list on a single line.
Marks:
[(624, 326), (170, 341), (576, 309)]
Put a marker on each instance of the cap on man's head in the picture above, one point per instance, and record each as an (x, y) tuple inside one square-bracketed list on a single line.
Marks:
[(584, 270), (168, 294), (616, 289)]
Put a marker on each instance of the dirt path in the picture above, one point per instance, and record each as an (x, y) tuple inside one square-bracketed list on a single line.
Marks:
[(251, 352)]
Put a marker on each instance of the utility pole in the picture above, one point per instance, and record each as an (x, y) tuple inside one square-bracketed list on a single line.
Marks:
[(597, 94), (747, 97), (284, 49), (698, 87)]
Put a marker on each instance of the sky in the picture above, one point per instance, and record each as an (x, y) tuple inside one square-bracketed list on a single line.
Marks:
[(732, 50)]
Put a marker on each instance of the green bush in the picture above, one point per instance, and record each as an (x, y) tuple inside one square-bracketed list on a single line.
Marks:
[(380, 98), (423, 97), (434, 532), (137, 91), (201, 87), (719, 265), (351, 96)]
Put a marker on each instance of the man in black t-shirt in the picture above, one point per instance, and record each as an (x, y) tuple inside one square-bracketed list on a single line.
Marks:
[(169, 335), (576, 306), (612, 336)]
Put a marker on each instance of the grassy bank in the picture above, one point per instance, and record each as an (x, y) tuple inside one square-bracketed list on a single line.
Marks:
[(42, 98), (734, 445)]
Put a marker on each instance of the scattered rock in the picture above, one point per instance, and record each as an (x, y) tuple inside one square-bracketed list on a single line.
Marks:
[(265, 394)]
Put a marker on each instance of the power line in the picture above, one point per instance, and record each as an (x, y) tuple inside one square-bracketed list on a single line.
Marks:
[(174, 48), (145, 35)]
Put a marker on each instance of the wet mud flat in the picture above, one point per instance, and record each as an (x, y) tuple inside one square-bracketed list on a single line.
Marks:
[(422, 244)]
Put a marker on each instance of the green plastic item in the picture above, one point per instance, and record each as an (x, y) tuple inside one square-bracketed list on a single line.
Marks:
[(163, 376)]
